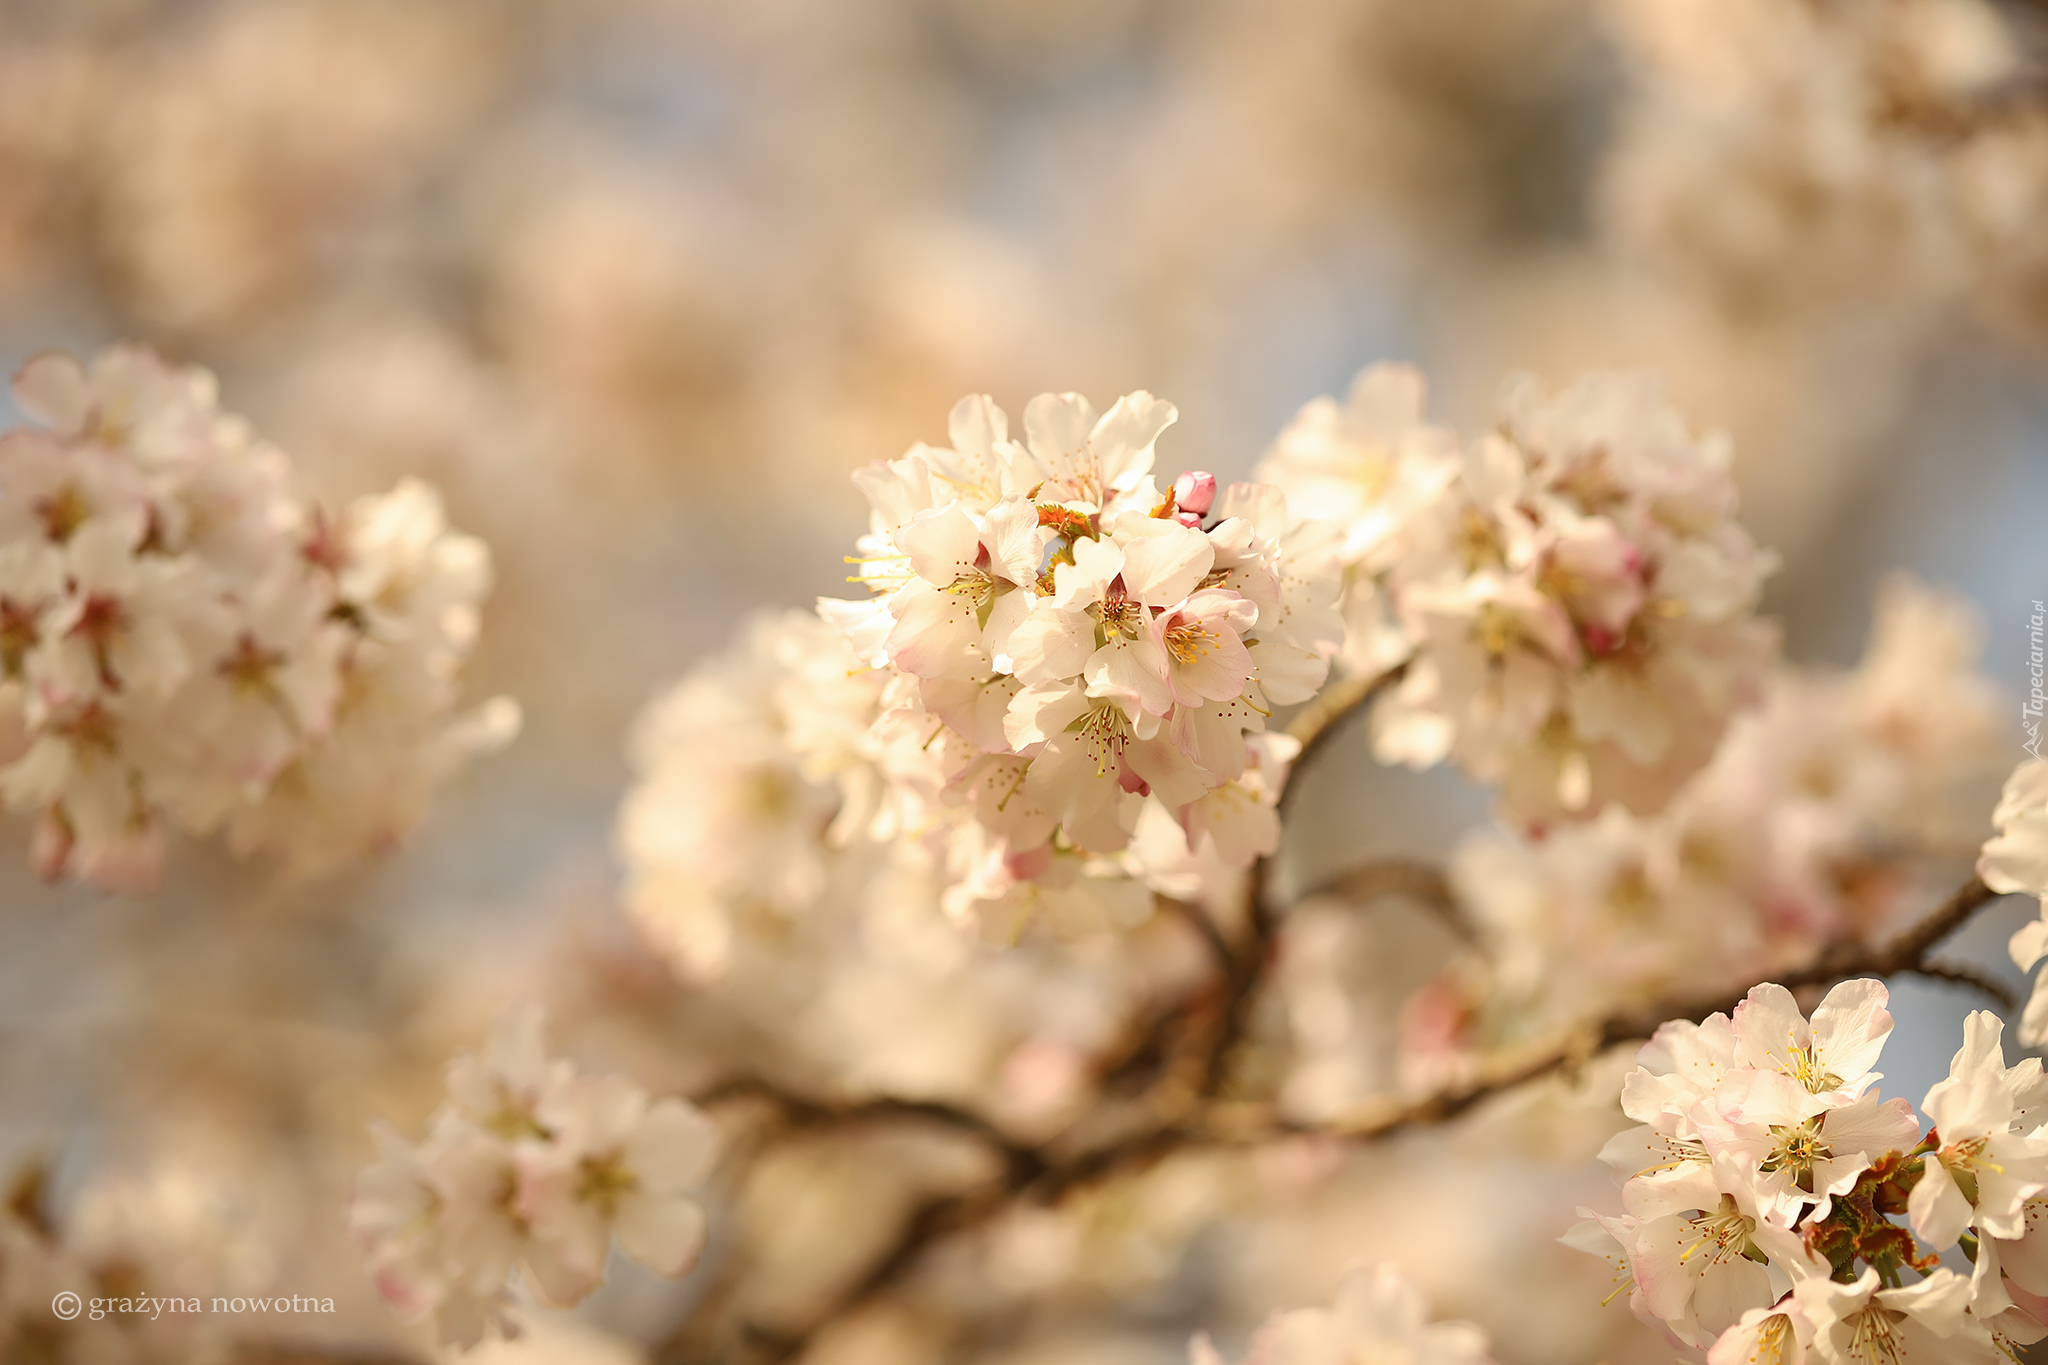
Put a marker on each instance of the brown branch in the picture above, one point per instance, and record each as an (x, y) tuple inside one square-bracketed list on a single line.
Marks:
[(1189, 1117), (1906, 953), (1314, 726), (802, 1112), (1318, 722)]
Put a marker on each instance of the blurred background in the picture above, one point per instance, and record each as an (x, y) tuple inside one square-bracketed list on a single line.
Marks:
[(637, 283)]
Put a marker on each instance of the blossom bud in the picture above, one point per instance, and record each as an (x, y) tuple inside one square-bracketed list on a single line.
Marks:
[(1195, 491)]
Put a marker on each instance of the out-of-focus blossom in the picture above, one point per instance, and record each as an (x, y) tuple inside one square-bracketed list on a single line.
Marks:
[(529, 1165), (1369, 465), (774, 858), (189, 644), (1859, 155), (147, 1248), (236, 162), (1377, 1316)]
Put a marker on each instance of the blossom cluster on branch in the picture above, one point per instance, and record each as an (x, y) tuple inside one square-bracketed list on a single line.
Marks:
[(189, 644), (1764, 1188), (1079, 646), (1571, 594), (755, 867), (529, 1165)]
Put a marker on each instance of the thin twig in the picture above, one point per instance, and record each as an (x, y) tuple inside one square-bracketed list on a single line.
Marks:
[(1320, 719), (1905, 953), (1957, 974), (1318, 722), (800, 1111)]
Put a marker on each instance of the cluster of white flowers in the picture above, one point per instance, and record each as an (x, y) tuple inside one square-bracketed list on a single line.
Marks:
[(2016, 859), (1767, 1169), (529, 1164), (1819, 819), (1078, 646), (1572, 595), (186, 642), (1786, 155), (1377, 1316)]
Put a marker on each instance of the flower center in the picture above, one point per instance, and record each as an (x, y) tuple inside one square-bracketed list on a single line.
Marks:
[(1723, 1235), (62, 513), (1121, 614), (1874, 1336), (1105, 730), (604, 1181), (1796, 1149), (1189, 642)]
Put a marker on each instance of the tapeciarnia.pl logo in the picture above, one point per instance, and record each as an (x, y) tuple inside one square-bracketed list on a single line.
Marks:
[(2037, 698)]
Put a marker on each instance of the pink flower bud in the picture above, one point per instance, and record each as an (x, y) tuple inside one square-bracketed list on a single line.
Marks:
[(1192, 520), (1195, 491)]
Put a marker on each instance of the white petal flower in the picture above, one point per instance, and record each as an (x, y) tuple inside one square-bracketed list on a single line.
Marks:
[(1973, 1110), (1830, 1057), (616, 1164), (1775, 1335), (1920, 1324)]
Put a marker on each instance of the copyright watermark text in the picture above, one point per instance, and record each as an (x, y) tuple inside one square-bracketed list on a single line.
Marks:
[(68, 1305)]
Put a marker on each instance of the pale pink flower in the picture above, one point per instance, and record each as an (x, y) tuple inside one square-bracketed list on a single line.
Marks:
[(1921, 1324), (616, 1164)]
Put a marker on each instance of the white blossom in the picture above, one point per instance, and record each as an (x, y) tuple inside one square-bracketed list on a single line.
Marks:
[(1919, 1324)]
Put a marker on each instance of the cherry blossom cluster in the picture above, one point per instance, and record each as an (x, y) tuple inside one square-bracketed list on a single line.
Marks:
[(1082, 645), (1571, 594), (2016, 859), (1777, 1209), (1376, 1316), (1826, 810), (529, 1165), (187, 643)]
